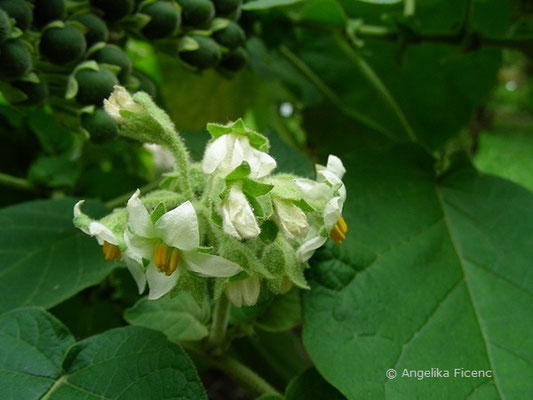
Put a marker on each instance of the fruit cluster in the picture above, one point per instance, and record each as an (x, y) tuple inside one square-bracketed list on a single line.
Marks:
[(71, 53)]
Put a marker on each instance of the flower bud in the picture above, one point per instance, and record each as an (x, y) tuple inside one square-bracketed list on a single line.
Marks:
[(164, 20), (238, 219), (100, 126), (5, 26), (94, 86), (15, 59), (114, 55), (96, 28), (19, 10), (62, 45), (196, 13), (115, 9), (46, 11), (235, 60), (232, 36), (35, 91), (228, 8), (205, 56), (290, 219), (120, 100), (244, 292)]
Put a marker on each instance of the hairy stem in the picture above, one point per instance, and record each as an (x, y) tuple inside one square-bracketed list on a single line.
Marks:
[(19, 183), (220, 322), (182, 163)]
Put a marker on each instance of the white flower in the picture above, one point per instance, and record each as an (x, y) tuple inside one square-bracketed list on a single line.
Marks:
[(328, 193), (244, 292), (119, 100), (228, 151), (289, 218), (238, 219), (110, 246), (171, 242)]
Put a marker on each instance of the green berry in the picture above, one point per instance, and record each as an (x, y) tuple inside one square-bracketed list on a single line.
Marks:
[(19, 10), (234, 60), (114, 55), (62, 45), (15, 59), (164, 20), (46, 11), (207, 55), (36, 92), (94, 86), (197, 13), (114, 9), (227, 8), (96, 28), (5, 26), (232, 36), (145, 84), (100, 126)]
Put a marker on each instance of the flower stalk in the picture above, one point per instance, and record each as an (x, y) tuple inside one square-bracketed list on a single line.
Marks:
[(219, 325)]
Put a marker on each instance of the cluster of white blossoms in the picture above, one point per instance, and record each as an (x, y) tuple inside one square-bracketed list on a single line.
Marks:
[(228, 218)]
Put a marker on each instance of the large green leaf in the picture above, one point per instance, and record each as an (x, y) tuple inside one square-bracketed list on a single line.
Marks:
[(310, 385), (44, 259), (435, 273), (180, 318), (41, 360)]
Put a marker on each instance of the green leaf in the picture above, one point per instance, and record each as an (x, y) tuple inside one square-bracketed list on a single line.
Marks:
[(40, 360), (310, 385), (433, 273), (284, 313), (266, 4), (180, 318), (44, 259), (54, 172)]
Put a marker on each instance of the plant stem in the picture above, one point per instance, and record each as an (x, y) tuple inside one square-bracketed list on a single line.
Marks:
[(118, 201), (243, 375), (330, 94), (182, 162), (19, 183), (220, 322)]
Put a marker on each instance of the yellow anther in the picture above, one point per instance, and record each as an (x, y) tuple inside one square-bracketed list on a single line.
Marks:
[(111, 252), (337, 235), (165, 261), (341, 223)]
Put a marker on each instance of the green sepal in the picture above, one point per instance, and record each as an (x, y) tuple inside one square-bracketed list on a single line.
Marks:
[(239, 128), (159, 210), (72, 83), (261, 206), (304, 206), (255, 188), (241, 172), (239, 277), (187, 43), (11, 93), (215, 216), (285, 188), (206, 249), (269, 232), (196, 285)]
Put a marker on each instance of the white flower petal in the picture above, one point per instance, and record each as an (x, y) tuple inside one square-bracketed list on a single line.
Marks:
[(263, 163), (102, 233), (209, 265), (314, 192), (139, 247), (307, 249), (179, 227), (237, 215), (332, 212), (79, 213), (335, 165), (250, 290), (325, 175), (290, 219), (136, 271), (138, 217), (159, 283), (234, 294), (214, 154)]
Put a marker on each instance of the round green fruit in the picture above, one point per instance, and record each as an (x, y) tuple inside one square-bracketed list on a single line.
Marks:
[(94, 86), (19, 10), (164, 20), (145, 84), (228, 8), (207, 55), (5, 26), (232, 36), (114, 9), (196, 13), (15, 59), (46, 11), (114, 55), (234, 60), (62, 45), (36, 92), (96, 28), (100, 126)]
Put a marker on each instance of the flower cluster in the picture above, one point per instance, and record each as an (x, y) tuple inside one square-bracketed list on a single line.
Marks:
[(237, 222)]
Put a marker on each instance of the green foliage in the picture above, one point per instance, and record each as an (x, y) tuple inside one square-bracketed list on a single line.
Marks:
[(122, 362)]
